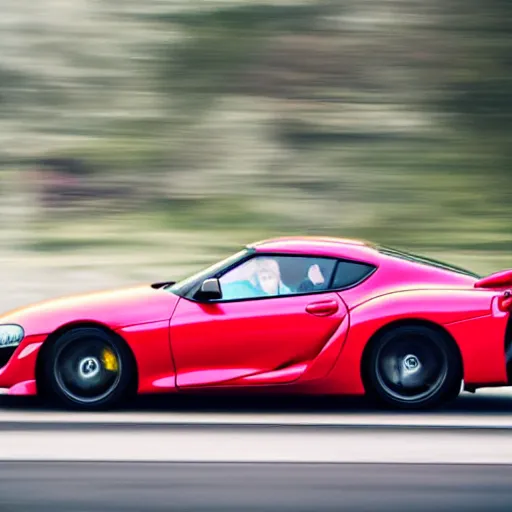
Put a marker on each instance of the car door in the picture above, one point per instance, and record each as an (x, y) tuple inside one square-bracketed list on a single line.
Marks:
[(235, 340)]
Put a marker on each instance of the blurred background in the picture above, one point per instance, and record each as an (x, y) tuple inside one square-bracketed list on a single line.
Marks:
[(140, 141)]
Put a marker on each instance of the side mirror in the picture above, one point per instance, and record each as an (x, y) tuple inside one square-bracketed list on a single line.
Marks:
[(210, 290)]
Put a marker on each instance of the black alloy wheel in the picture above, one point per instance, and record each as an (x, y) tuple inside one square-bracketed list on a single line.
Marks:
[(413, 367), (88, 368)]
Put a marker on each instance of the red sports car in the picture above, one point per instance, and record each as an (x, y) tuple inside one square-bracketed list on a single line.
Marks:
[(289, 315)]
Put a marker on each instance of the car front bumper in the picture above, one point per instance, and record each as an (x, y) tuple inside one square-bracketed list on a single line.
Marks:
[(18, 374)]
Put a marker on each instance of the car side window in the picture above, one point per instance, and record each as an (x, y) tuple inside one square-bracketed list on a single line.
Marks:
[(272, 276), (349, 273)]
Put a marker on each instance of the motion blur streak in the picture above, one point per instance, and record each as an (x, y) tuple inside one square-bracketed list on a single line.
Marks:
[(134, 134), (129, 487), (141, 139)]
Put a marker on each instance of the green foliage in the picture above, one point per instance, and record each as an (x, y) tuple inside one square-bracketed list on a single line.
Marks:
[(104, 156), (383, 120), (252, 18), (480, 80), (220, 47)]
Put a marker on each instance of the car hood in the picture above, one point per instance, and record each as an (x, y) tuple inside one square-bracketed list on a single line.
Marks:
[(117, 308)]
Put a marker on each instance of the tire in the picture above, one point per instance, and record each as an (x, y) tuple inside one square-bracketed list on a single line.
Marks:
[(413, 367), (88, 368)]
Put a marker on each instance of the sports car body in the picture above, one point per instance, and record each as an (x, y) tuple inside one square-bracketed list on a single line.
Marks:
[(289, 315)]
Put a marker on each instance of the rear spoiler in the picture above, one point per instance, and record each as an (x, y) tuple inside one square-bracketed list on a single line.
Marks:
[(501, 279)]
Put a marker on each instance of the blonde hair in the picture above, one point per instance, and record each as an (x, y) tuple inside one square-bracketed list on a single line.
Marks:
[(264, 265)]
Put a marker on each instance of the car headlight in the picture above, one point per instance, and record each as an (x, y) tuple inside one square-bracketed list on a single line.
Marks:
[(11, 335)]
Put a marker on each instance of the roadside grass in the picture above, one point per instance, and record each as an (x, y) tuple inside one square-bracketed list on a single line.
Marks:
[(153, 244)]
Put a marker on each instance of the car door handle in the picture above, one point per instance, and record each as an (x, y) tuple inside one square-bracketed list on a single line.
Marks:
[(324, 308)]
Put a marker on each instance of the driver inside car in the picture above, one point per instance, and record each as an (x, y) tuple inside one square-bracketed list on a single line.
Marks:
[(263, 279)]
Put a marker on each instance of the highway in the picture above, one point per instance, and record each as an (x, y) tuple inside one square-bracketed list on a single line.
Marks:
[(141, 487), (190, 453)]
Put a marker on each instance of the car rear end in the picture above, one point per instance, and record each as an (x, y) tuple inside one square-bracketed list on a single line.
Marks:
[(508, 347), (501, 284)]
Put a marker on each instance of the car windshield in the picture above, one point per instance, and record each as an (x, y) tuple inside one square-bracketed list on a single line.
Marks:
[(388, 251), (182, 287)]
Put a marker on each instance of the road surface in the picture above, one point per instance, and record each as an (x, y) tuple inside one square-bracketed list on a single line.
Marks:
[(139, 487), (238, 454)]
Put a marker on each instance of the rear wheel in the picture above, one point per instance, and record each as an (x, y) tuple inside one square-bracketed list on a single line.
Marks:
[(88, 368), (413, 367)]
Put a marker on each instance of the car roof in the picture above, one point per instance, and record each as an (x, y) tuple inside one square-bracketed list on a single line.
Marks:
[(319, 246), (364, 252)]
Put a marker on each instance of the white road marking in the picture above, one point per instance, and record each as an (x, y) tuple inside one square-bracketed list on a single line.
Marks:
[(238, 445), (460, 437)]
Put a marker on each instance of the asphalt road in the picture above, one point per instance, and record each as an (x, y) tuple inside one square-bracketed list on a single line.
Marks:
[(227, 454), (127, 487)]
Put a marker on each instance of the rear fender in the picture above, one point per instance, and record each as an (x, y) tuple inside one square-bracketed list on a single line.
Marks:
[(481, 342), (456, 311)]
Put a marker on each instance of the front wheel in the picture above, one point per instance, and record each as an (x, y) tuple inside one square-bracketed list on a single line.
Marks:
[(88, 368), (413, 367)]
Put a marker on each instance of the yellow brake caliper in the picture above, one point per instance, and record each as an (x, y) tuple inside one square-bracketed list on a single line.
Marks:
[(109, 360)]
